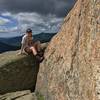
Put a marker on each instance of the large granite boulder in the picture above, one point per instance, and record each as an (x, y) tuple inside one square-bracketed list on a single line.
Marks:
[(17, 72), (68, 71)]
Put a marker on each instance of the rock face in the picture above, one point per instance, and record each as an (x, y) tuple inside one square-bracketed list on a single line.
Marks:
[(69, 69), (17, 72)]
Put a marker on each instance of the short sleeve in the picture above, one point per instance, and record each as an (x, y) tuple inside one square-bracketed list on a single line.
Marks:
[(23, 39)]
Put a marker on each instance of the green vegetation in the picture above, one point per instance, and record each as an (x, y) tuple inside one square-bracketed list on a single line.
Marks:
[(39, 96)]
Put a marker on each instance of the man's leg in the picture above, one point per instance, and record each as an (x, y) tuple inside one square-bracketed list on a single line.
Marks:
[(37, 45), (39, 58), (33, 51)]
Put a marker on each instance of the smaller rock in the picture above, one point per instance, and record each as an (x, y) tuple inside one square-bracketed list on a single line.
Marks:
[(27, 97), (14, 95), (20, 95)]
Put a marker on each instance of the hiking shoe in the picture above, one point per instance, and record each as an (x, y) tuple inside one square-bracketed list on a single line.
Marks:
[(39, 59)]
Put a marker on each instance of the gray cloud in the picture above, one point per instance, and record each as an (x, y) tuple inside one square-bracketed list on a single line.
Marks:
[(45, 7), (37, 22)]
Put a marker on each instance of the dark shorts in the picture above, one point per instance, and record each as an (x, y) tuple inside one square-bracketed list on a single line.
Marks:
[(36, 45), (28, 50)]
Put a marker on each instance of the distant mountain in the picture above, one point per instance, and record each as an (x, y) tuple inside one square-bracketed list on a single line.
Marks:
[(5, 47), (44, 37), (13, 43)]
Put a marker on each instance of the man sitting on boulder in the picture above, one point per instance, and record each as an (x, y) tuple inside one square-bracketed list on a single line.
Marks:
[(29, 46)]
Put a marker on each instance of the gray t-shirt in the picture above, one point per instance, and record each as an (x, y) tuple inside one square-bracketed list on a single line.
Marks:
[(24, 41)]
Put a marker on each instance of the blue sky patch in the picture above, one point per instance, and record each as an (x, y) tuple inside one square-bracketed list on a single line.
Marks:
[(8, 22)]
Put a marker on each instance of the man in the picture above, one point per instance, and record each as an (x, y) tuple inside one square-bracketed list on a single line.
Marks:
[(28, 46)]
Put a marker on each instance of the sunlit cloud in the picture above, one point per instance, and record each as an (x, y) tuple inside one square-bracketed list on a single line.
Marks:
[(6, 14), (3, 21), (7, 24)]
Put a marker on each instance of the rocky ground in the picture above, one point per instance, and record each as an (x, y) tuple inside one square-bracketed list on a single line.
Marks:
[(20, 95)]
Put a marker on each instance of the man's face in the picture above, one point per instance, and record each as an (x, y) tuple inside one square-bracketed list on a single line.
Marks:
[(29, 34)]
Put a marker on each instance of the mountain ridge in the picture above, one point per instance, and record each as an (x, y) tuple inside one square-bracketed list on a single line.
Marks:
[(8, 44)]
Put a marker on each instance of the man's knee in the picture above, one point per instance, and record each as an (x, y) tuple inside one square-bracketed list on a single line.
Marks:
[(32, 48)]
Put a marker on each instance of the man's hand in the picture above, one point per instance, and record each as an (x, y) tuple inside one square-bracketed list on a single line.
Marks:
[(22, 53), (19, 53)]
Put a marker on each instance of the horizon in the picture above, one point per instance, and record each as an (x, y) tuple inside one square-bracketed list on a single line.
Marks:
[(14, 36)]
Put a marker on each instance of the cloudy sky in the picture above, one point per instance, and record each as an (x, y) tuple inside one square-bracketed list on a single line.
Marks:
[(40, 15)]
